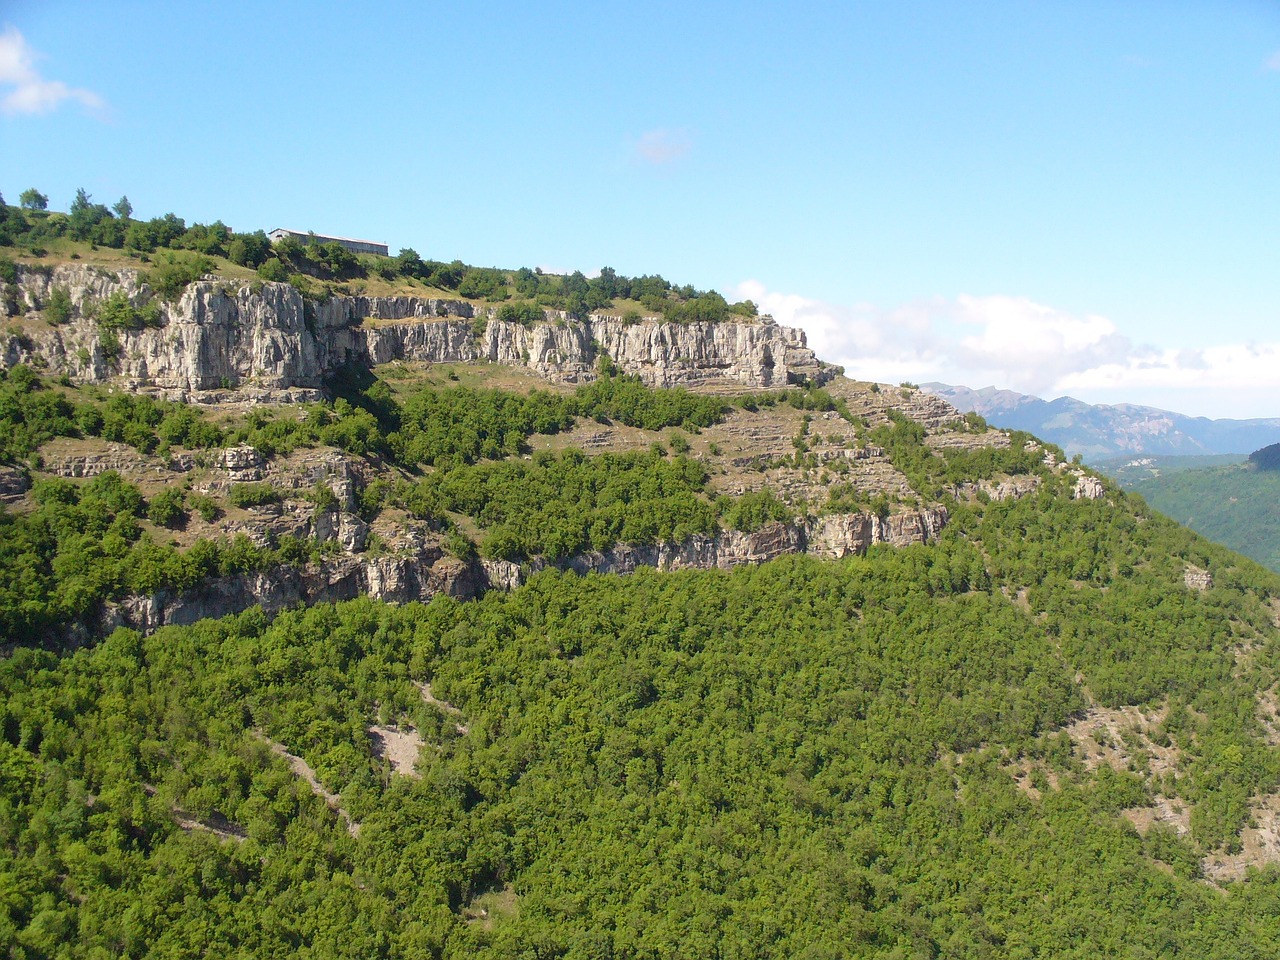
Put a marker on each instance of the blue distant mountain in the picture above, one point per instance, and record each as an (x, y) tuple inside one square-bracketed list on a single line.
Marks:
[(1102, 430)]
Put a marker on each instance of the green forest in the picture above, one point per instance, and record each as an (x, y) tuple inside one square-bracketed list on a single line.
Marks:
[(1237, 505), (172, 254), (801, 759), (805, 758)]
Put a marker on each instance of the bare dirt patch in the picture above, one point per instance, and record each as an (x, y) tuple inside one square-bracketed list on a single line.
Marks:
[(1122, 739), (1169, 813), (399, 746), (215, 823), (487, 908), (1033, 778), (1269, 713), (1259, 844)]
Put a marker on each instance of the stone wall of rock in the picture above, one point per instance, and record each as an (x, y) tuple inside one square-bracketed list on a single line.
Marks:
[(394, 579), (268, 342), (428, 571)]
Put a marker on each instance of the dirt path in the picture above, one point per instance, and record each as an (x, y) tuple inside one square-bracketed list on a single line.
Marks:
[(303, 769), (442, 705)]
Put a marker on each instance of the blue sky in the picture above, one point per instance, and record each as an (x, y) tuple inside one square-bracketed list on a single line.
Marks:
[(1055, 197)]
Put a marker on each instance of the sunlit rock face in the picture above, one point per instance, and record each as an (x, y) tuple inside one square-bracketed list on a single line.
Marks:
[(220, 341), (425, 570)]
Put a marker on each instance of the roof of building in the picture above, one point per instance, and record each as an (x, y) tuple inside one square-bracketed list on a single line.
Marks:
[(324, 236)]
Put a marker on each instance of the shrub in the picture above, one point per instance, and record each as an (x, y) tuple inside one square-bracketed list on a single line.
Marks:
[(168, 508), (117, 312), (204, 505), (57, 308), (526, 314), (170, 275), (459, 545), (249, 249), (273, 271), (324, 498), (110, 345), (253, 494), (751, 511)]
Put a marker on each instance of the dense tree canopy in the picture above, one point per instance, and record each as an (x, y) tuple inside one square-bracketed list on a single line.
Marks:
[(805, 758)]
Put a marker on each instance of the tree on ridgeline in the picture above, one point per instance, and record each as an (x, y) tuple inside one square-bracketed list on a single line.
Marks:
[(33, 199)]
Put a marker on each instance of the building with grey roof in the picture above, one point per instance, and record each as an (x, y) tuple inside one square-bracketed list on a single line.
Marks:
[(355, 246)]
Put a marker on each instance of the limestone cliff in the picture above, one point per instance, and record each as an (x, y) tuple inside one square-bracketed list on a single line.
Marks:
[(268, 341), (221, 342), (427, 571)]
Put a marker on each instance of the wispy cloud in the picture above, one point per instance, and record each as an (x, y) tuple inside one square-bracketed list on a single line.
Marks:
[(28, 91), (1272, 62), (1016, 343), (663, 146)]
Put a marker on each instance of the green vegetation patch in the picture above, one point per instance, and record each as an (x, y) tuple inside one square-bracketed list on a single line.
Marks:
[(1236, 505), (800, 758), (559, 506), (82, 546)]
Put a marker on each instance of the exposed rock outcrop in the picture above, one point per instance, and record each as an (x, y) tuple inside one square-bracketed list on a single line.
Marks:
[(428, 571), (1009, 488), (1197, 579), (273, 344), (394, 579), (1087, 488), (14, 482)]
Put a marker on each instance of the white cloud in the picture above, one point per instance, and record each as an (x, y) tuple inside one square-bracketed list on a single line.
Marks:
[(31, 93), (662, 146), (1272, 62), (1031, 345), (1229, 366), (1016, 343)]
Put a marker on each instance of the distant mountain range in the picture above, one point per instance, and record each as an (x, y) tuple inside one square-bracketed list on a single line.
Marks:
[(1101, 430)]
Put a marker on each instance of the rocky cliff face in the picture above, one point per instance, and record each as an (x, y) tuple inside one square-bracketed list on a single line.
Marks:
[(269, 342), (221, 342), (427, 571)]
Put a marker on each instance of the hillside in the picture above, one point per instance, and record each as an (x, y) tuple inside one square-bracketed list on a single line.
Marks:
[(1099, 431), (1237, 505), (388, 625), (1130, 470)]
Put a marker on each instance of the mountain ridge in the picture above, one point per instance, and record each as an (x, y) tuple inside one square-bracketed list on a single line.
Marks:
[(1104, 430), (268, 340), (235, 346)]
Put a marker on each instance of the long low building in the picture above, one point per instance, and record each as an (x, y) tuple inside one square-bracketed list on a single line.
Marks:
[(355, 246)]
